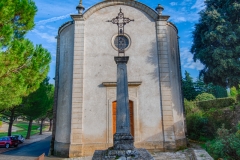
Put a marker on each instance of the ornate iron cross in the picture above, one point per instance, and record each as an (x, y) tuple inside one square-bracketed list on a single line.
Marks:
[(121, 21)]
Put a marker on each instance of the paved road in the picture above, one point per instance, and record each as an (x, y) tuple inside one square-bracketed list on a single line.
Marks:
[(30, 151)]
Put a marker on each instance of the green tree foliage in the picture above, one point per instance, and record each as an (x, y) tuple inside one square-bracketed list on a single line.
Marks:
[(220, 92), (189, 91), (216, 42), (49, 113), (16, 18), (217, 91), (36, 104), (234, 92), (204, 97), (23, 66)]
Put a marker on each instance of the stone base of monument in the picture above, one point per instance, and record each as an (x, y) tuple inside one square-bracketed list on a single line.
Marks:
[(111, 154), (123, 149)]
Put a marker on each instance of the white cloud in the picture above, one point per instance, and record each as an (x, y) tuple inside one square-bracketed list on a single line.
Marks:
[(199, 5), (46, 36), (178, 19), (173, 3), (51, 28), (179, 15), (187, 60), (41, 27), (186, 2), (53, 19)]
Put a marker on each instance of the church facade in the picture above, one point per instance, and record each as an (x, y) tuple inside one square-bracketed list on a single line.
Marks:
[(86, 80)]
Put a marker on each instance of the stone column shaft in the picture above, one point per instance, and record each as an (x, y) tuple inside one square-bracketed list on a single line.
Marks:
[(123, 139), (123, 120)]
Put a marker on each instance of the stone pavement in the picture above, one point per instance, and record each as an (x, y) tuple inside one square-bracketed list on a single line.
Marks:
[(194, 153), (187, 154)]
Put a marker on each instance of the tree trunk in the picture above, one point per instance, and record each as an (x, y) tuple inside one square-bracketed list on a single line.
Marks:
[(50, 126), (41, 126), (29, 129), (11, 122)]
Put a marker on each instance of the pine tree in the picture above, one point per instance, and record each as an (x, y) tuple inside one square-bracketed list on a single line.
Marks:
[(23, 66), (189, 91), (216, 42), (37, 104)]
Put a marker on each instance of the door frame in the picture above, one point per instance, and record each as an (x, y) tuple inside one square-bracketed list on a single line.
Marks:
[(111, 97)]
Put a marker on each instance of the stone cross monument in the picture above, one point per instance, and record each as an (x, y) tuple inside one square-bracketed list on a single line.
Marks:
[(123, 140), (123, 119)]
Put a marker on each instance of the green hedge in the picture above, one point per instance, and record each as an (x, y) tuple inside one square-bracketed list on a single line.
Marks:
[(205, 97), (216, 103)]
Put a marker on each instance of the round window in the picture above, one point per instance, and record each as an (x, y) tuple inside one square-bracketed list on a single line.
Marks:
[(121, 42)]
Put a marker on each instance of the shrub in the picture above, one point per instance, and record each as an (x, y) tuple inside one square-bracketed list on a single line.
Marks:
[(197, 123), (204, 97), (216, 103), (234, 92), (0, 123), (226, 145), (202, 124), (238, 97), (238, 130), (197, 126), (190, 106)]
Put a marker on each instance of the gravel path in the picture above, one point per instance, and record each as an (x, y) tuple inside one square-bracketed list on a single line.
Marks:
[(4, 128)]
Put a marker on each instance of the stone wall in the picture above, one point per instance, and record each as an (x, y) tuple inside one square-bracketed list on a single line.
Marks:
[(64, 107)]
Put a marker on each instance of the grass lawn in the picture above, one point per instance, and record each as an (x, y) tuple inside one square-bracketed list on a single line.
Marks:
[(24, 127)]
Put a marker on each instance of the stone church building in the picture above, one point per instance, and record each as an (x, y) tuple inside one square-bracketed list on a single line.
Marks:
[(86, 80)]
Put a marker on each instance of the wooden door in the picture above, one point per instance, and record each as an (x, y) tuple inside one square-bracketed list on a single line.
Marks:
[(114, 112)]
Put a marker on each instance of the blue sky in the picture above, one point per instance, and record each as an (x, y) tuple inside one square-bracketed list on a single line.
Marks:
[(53, 13)]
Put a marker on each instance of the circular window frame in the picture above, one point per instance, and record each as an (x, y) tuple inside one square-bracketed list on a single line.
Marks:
[(125, 35)]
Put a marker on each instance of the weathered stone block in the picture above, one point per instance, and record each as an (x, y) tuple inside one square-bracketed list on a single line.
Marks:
[(61, 149), (135, 154), (170, 113), (167, 103), (75, 150), (167, 118), (168, 122), (167, 108), (76, 130)]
